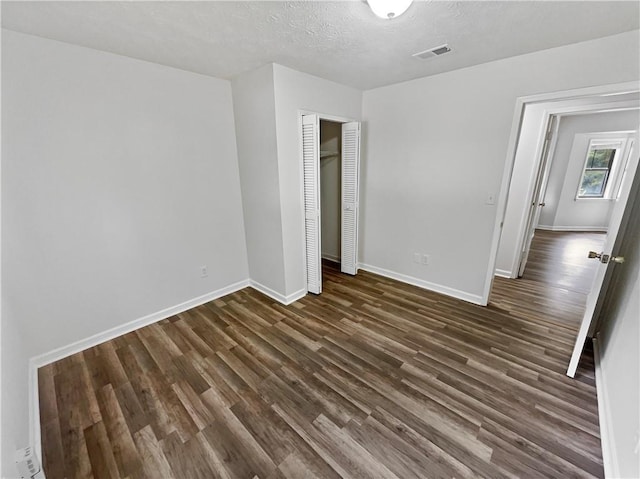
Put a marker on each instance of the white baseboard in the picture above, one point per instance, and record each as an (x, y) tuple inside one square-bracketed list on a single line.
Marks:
[(77, 346), (607, 441), (471, 298), (34, 412), (91, 341), (578, 229), (286, 300), (503, 273), (330, 257)]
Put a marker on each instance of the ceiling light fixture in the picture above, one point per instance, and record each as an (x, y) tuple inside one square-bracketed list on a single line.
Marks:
[(389, 9)]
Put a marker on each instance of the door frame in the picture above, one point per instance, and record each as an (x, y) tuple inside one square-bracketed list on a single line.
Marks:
[(559, 111), (542, 178), (326, 117), (545, 161), (516, 126)]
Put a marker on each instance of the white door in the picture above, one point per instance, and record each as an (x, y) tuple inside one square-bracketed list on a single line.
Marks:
[(615, 226), (350, 195), (538, 196), (311, 172)]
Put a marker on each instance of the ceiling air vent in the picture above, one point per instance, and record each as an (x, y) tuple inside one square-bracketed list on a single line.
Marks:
[(433, 52)]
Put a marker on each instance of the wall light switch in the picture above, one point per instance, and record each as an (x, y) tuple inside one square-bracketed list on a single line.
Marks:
[(491, 199), (424, 259), (416, 257)]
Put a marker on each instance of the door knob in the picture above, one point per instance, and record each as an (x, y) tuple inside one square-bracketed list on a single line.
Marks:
[(605, 258), (542, 204)]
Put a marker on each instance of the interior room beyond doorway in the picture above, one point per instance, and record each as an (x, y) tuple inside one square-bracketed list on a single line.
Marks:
[(330, 189)]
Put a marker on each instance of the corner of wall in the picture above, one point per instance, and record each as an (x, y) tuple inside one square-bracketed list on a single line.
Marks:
[(254, 106)]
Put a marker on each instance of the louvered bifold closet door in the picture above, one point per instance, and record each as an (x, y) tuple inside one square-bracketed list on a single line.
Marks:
[(311, 169), (350, 173)]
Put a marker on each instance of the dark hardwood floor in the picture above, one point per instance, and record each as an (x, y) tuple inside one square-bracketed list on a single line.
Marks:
[(371, 379), (557, 277), (559, 259)]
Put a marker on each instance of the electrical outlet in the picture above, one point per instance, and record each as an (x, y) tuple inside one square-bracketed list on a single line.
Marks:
[(203, 271), (27, 463), (416, 258), (424, 259)]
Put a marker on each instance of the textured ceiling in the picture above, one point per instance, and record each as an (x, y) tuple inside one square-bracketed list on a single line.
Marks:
[(341, 41)]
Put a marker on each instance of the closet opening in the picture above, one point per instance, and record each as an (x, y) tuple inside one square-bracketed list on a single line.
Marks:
[(330, 190), (331, 165)]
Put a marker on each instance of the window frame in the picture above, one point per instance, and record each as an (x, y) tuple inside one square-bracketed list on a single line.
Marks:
[(618, 145)]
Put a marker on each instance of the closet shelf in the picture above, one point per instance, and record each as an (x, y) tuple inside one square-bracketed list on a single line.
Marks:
[(328, 153)]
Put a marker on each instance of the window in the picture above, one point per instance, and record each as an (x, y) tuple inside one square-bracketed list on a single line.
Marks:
[(597, 171)]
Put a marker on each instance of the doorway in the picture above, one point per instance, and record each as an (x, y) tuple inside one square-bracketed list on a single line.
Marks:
[(579, 177), (331, 169), (521, 187), (330, 190)]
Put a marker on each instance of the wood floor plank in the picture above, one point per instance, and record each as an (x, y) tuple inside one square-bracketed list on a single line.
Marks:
[(273, 435), (152, 406), (188, 459), (47, 387), (178, 416), (154, 462), (191, 401), (131, 408), (124, 449), (100, 451), (402, 459), (355, 460), (531, 449), (53, 457), (230, 430), (371, 379), (443, 461)]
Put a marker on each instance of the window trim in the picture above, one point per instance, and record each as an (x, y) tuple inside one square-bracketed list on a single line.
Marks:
[(618, 145)]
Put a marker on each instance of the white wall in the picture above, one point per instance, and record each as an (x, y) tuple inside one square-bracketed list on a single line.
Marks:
[(119, 181), (618, 340), (436, 146), (330, 189), (561, 210), (255, 118), (15, 406), (296, 91), (267, 104)]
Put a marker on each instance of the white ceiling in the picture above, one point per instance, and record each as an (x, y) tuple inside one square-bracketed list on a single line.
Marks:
[(340, 41)]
